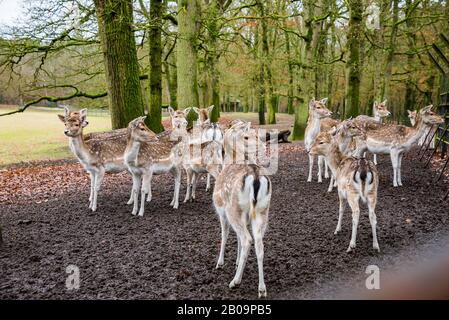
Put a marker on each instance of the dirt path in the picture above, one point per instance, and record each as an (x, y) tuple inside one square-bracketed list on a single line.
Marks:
[(171, 254)]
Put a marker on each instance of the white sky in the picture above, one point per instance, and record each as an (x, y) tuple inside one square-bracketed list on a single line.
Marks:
[(10, 10)]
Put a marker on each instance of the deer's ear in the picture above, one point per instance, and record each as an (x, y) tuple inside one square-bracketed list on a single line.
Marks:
[(83, 116), (312, 103), (171, 111), (67, 112), (324, 100), (61, 117), (384, 102), (210, 108), (196, 110), (375, 104), (187, 110), (409, 112)]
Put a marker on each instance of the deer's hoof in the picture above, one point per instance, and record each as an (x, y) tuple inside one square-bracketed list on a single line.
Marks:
[(262, 291), (233, 284), (351, 247), (219, 265), (376, 247)]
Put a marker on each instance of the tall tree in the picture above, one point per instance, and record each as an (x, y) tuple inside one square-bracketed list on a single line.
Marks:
[(353, 64), (186, 58), (154, 119), (115, 25)]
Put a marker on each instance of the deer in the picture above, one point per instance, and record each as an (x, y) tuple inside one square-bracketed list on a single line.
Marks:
[(344, 134), (412, 116), (396, 139), (97, 156), (195, 140), (241, 197), (317, 114), (146, 155), (380, 111), (209, 130), (357, 179)]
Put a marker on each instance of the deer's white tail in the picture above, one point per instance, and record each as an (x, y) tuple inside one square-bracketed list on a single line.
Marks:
[(255, 194), (363, 178)]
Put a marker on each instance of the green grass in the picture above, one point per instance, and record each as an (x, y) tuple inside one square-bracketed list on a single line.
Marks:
[(38, 135)]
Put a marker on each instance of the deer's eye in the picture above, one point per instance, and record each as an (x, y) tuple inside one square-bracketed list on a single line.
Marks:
[(246, 138)]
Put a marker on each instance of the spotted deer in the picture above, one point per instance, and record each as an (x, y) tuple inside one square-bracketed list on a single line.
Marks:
[(396, 139), (199, 156), (241, 198), (210, 131), (428, 134), (380, 111), (147, 155), (97, 156), (343, 134), (317, 114), (357, 178)]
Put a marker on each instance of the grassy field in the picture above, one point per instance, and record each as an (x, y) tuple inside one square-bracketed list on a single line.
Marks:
[(37, 134)]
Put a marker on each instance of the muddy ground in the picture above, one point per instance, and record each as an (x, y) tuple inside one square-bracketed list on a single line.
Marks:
[(171, 254)]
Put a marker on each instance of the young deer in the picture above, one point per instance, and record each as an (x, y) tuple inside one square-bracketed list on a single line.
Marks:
[(209, 131), (412, 115), (242, 197), (97, 156), (344, 134), (380, 111), (317, 114), (193, 141), (146, 155), (397, 139), (357, 178)]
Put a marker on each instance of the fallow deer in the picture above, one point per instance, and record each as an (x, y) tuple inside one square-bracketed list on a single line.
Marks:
[(97, 156), (344, 134), (146, 155), (210, 131), (428, 134), (357, 178), (397, 139), (317, 113), (241, 198), (380, 111)]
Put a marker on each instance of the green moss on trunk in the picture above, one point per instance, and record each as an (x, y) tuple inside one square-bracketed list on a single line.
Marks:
[(115, 21)]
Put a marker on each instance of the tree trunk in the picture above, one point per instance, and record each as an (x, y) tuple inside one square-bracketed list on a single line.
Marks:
[(353, 64), (266, 67), (115, 23), (172, 82), (186, 58), (154, 119)]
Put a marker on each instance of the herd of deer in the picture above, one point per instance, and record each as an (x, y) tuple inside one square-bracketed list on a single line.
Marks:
[(236, 157)]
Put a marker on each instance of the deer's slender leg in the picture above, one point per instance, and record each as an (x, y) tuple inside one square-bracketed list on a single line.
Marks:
[(341, 211), (326, 169), (149, 178), (176, 171), (373, 220), (331, 183), (320, 168), (258, 227), (98, 180), (144, 190), (309, 178), (399, 169), (131, 197), (93, 176), (353, 200), (208, 183), (92, 186), (245, 241), (136, 189), (194, 181), (375, 158), (224, 235), (189, 182), (394, 163), (239, 249)]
